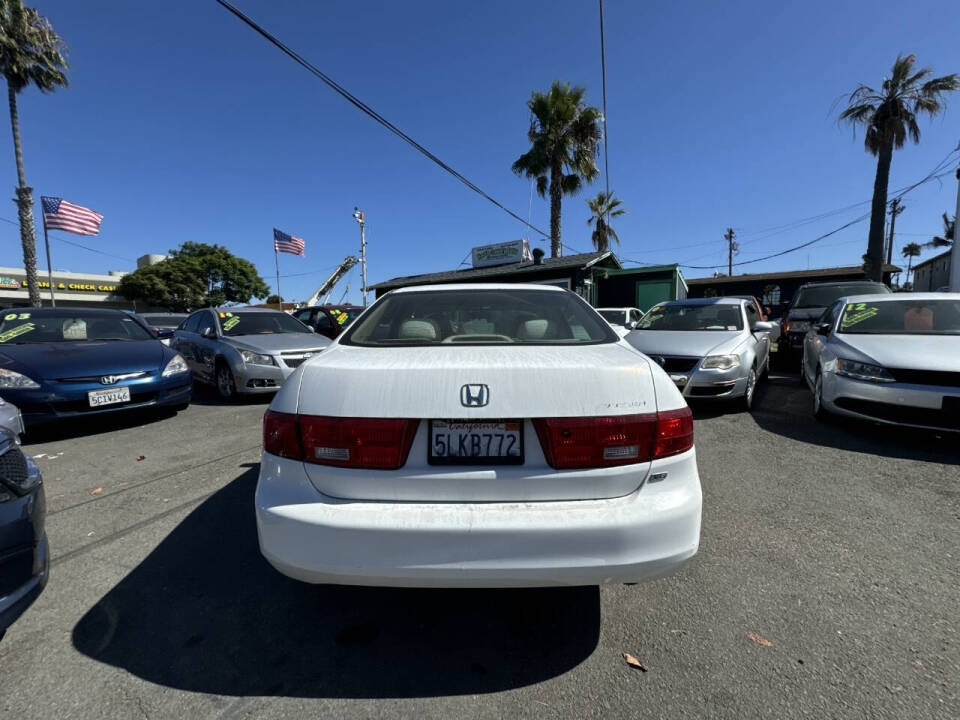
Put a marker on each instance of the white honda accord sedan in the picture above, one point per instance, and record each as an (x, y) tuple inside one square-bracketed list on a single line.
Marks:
[(478, 436)]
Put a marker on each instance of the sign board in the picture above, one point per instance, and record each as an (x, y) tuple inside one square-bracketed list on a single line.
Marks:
[(515, 251)]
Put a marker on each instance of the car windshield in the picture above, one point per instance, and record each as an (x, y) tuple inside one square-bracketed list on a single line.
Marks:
[(614, 317), (480, 317), (344, 316), (718, 316), (163, 321), (826, 295), (234, 323), (18, 328), (902, 317)]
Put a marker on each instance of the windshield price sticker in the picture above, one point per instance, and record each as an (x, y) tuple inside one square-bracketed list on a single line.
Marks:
[(16, 316), (857, 313), (231, 323), (16, 332)]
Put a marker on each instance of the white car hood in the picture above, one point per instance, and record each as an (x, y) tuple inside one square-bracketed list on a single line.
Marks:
[(912, 352), (523, 381), (695, 343)]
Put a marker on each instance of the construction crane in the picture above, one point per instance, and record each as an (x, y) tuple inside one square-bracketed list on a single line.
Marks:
[(324, 290)]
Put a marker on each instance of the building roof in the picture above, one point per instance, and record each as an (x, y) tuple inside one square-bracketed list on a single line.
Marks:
[(932, 260), (567, 262), (789, 274)]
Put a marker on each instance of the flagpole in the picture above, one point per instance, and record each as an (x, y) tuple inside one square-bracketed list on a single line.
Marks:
[(276, 260), (46, 241)]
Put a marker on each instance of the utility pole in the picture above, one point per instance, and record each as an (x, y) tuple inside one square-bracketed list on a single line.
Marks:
[(895, 209), (603, 76), (732, 249), (359, 217), (955, 254)]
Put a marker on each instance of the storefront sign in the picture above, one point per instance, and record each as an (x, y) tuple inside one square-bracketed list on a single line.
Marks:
[(506, 253), (65, 286), (9, 283)]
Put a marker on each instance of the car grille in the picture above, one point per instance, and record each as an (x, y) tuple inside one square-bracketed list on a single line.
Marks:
[(675, 364), (293, 362), (708, 390), (928, 417), (926, 377), (13, 466), (96, 378), (295, 359)]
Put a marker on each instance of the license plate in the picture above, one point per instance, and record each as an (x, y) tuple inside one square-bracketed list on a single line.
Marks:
[(108, 397), (470, 442)]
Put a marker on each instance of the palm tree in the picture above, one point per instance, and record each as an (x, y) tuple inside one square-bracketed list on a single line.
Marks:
[(910, 251), (604, 206), (564, 138), (30, 53), (888, 117), (945, 240)]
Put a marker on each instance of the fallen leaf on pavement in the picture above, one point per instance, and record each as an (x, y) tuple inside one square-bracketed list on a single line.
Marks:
[(760, 640), (96, 491), (142, 457), (91, 534), (633, 662)]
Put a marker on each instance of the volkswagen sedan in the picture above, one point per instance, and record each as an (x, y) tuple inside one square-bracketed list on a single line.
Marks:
[(61, 363), (478, 436), (888, 358), (712, 348)]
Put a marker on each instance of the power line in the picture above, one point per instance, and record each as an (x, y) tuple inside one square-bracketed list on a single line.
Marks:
[(93, 250), (363, 107)]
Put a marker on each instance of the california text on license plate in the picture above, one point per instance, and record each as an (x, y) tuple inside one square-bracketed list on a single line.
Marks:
[(108, 397), (472, 442)]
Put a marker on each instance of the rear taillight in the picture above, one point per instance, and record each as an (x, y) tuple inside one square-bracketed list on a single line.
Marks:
[(596, 442), (368, 443)]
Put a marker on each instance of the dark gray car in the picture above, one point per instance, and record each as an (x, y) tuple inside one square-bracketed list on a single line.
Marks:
[(244, 350)]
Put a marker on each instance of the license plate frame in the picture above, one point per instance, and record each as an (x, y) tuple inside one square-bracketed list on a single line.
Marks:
[(434, 459), (114, 396)]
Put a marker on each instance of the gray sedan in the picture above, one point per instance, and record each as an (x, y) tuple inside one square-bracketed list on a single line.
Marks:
[(244, 350), (888, 358), (712, 348)]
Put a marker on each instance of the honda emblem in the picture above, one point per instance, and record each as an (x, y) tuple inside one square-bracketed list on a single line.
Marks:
[(474, 395)]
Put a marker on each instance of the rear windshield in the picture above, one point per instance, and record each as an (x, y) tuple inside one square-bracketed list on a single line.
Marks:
[(19, 328), (614, 317), (259, 323), (693, 317), (827, 295), (901, 317), (163, 321), (479, 317)]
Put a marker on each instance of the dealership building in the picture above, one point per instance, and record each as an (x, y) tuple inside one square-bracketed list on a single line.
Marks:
[(70, 289)]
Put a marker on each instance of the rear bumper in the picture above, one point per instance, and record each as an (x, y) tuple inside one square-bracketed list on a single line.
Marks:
[(647, 534)]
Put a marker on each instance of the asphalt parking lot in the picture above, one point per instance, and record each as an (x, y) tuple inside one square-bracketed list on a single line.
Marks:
[(826, 585)]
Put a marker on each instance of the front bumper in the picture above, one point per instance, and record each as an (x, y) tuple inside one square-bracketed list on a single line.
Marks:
[(258, 379), (61, 401), (920, 406), (711, 384), (647, 534), (24, 552)]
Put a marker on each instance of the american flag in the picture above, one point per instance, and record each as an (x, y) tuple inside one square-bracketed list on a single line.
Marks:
[(287, 243), (58, 214)]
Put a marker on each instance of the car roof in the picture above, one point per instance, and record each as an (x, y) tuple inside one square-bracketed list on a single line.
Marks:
[(165, 314), (705, 301), (920, 296), (478, 286), (342, 306), (625, 307), (840, 282), (103, 312), (244, 308)]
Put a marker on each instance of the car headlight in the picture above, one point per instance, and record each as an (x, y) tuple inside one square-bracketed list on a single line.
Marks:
[(15, 381), (862, 371), (176, 366), (798, 326), (720, 362), (252, 358)]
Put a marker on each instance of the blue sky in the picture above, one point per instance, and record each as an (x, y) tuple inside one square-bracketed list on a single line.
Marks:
[(182, 124)]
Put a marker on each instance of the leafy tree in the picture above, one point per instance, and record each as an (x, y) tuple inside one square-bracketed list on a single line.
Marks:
[(274, 300), (564, 139), (31, 53), (889, 117), (196, 275), (603, 207), (910, 251), (949, 234)]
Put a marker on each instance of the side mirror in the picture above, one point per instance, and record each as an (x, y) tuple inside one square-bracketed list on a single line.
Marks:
[(163, 333), (762, 327), (631, 325), (824, 328), (209, 333)]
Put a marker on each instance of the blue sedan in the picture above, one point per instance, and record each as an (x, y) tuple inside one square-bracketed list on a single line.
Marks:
[(76, 362)]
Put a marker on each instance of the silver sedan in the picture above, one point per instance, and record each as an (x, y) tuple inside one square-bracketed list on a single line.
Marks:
[(712, 348), (891, 359), (245, 350)]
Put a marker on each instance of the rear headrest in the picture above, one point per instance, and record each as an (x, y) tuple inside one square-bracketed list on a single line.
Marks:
[(535, 329), (418, 329)]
